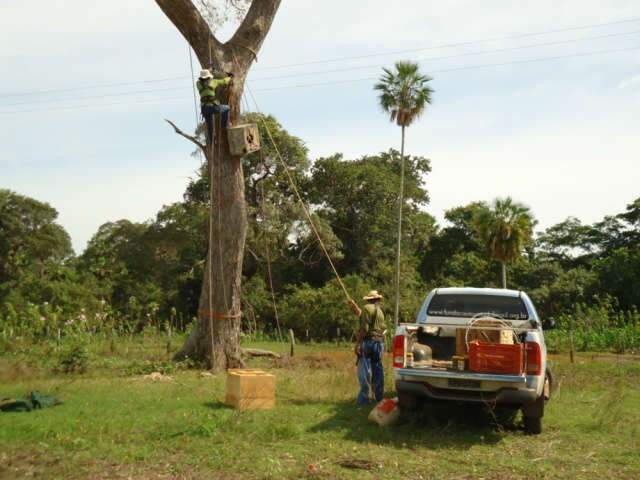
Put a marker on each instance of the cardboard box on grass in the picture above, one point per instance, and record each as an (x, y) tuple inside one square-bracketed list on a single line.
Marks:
[(250, 389)]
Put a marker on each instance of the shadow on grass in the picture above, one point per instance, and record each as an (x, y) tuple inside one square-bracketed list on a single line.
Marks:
[(217, 405), (432, 426)]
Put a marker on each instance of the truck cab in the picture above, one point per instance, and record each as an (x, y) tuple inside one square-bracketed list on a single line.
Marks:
[(479, 345)]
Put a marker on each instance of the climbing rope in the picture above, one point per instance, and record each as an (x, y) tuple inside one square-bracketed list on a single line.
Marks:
[(299, 197), (267, 248), (209, 252), (193, 87)]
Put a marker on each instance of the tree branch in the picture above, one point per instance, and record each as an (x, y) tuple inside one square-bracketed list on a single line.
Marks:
[(187, 136), (255, 26), (193, 27)]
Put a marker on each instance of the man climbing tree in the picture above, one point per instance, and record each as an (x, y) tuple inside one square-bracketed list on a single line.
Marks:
[(209, 103), (216, 336)]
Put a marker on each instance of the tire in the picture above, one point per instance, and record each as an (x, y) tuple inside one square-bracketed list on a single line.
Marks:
[(533, 425), (549, 384), (503, 416), (407, 402)]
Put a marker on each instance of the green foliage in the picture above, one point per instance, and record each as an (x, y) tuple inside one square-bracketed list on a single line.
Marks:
[(505, 229), (74, 357), (601, 326), (619, 275), (34, 258), (404, 93), (321, 311), (147, 277), (358, 197)]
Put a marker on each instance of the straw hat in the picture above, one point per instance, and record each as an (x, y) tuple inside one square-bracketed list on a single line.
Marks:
[(372, 295), (205, 74)]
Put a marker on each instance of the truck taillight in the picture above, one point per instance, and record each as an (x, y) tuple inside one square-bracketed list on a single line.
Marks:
[(534, 358), (398, 351)]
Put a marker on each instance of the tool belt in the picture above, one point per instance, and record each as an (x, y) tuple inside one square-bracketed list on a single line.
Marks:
[(375, 338), (208, 101)]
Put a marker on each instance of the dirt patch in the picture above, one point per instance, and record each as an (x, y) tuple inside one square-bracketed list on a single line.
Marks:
[(15, 371), (38, 465), (314, 361)]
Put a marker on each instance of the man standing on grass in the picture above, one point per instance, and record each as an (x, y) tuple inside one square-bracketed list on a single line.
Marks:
[(370, 346)]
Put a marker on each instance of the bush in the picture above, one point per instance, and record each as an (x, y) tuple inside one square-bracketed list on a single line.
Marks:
[(322, 311), (74, 358)]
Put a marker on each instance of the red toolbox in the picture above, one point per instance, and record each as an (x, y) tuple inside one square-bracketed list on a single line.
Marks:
[(496, 358)]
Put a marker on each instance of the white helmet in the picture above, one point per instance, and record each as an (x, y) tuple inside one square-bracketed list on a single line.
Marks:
[(205, 74)]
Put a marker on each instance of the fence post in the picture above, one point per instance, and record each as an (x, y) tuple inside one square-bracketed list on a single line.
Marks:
[(571, 358), (292, 338), (338, 338)]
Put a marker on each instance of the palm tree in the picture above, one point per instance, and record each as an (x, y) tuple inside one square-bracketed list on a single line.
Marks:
[(404, 95), (505, 228)]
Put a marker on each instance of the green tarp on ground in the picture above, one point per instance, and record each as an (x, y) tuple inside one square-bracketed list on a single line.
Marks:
[(33, 401)]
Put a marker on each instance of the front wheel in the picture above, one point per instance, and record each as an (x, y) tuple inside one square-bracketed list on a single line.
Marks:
[(533, 425)]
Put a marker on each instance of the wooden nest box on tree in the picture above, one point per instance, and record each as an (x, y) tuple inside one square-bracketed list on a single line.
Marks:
[(243, 139)]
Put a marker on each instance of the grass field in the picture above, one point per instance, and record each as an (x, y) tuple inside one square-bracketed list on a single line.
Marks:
[(114, 424)]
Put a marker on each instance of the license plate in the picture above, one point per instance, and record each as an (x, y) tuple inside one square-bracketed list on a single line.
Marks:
[(462, 383)]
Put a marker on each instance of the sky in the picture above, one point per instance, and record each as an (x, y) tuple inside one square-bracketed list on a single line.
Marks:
[(536, 100)]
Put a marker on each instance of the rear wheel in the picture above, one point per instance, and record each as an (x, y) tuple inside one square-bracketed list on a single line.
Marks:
[(503, 416), (549, 384), (533, 425)]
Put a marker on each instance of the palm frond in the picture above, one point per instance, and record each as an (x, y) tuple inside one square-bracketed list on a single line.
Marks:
[(404, 93)]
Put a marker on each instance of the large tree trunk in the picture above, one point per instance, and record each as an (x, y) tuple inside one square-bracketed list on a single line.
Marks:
[(216, 336)]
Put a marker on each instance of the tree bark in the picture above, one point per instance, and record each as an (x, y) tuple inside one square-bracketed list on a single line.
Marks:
[(396, 316), (216, 335)]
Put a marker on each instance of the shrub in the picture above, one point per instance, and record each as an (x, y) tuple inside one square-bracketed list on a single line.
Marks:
[(74, 358)]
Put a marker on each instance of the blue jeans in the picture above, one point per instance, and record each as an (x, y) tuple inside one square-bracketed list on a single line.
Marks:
[(208, 110), (371, 371)]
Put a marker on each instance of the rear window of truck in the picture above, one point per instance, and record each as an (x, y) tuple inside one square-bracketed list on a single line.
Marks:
[(460, 305)]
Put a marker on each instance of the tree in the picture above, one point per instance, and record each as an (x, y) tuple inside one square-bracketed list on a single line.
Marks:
[(216, 336), (357, 198), (505, 229), (404, 95), (29, 238), (569, 242), (36, 260), (457, 238)]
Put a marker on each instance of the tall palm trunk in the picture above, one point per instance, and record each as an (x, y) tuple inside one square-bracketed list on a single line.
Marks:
[(504, 274), (396, 316)]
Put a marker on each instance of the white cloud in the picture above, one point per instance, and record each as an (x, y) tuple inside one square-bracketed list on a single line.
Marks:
[(628, 82)]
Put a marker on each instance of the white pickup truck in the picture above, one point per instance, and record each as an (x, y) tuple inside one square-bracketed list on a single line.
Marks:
[(428, 366)]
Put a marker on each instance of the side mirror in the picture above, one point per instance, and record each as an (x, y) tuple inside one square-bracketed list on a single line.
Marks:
[(549, 324)]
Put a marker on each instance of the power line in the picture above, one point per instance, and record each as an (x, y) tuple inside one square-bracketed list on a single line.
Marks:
[(317, 72), (94, 105), (468, 54), (92, 97), (92, 87), (469, 67), (453, 69), (459, 44), (450, 45)]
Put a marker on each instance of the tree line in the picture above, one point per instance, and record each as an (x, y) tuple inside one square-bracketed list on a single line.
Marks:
[(132, 275)]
